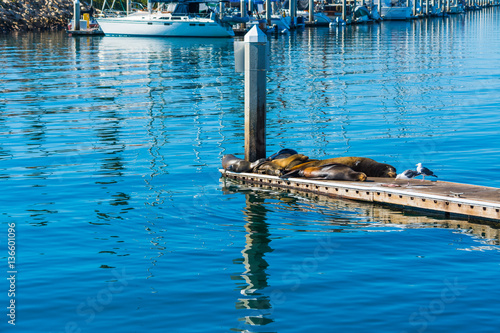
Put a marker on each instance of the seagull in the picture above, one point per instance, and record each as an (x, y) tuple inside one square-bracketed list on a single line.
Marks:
[(407, 174), (424, 171)]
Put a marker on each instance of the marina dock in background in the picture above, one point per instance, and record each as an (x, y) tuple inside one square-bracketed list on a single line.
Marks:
[(226, 22), (450, 199)]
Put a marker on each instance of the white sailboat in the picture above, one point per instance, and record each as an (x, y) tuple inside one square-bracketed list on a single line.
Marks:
[(180, 18), (396, 10)]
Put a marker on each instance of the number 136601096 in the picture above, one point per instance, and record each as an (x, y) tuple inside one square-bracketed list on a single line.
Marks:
[(12, 246)]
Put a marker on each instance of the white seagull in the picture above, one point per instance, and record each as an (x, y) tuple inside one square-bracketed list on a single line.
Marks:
[(407, 174), (424, 171)]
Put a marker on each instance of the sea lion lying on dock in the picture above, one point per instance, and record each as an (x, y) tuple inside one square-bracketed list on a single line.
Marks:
[(333, 171), (365, 165), (235, 164), (277, 166), (283, 153)]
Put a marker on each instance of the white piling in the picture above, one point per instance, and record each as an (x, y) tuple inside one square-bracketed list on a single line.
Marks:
[(256, 63), (311, 11)]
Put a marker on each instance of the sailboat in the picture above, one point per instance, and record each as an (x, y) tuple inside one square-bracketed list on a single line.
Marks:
[(179, 18), (396, 10)]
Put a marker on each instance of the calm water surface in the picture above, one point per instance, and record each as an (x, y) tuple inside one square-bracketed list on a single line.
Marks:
[(109, 157)]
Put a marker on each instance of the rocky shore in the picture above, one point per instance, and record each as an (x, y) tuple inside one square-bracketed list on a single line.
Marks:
[(29, 15)]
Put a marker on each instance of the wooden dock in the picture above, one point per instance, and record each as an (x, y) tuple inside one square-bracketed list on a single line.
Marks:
[(451, 199), (91, 32)]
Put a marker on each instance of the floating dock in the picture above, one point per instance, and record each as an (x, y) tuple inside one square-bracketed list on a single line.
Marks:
[(451, 199), (92, 32)]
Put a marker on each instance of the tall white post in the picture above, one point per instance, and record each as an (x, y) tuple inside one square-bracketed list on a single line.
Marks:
[(269, 12), (311, 11), (255, 94)]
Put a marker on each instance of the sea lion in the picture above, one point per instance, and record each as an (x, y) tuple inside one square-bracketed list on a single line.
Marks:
[(235, 164), (366, 165), (283, 153), (277, 166), (333, 171), (291, 161), (269, 168)]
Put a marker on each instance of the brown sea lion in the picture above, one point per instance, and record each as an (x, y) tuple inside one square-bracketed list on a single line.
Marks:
[(366, 165), (235, 164), (331, 171), (277, 166), (269, 168), (291, 161)]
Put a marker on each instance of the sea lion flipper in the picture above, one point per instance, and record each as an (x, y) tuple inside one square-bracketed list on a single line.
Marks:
[(290, 174)]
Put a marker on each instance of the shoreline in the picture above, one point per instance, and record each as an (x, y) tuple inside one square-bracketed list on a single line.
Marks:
[(24, 15)]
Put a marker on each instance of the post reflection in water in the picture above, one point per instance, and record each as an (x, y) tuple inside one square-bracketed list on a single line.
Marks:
[(258, 304), (255, 276)]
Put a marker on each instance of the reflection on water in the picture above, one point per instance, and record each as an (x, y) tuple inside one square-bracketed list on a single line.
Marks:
[(377, 216), (342, 216), (338, 215), (255, 277)]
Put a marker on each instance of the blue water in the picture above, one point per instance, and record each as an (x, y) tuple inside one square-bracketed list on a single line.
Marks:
[(109, 157)]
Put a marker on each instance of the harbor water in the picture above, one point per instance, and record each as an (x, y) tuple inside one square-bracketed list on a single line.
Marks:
[(109, 156)]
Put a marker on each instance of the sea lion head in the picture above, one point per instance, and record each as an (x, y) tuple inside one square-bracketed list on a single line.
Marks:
[(228, 162), (388, 171), (373, 168), (360, 176), (235, 164)]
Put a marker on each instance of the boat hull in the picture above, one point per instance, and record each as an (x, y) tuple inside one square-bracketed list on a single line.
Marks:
[(164, 28), (396, 13)]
